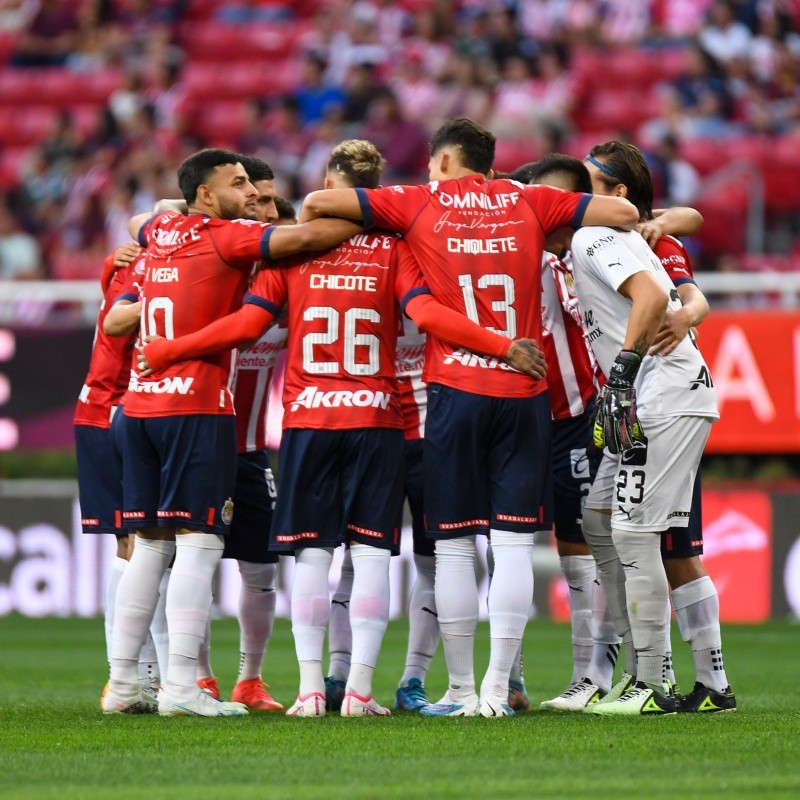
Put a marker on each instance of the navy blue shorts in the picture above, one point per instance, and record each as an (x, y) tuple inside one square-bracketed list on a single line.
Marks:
[(573, 473), (179, 472), (686, 542), (338, 486), (253, 504), (423, 545), (487, 463), (99, 480)]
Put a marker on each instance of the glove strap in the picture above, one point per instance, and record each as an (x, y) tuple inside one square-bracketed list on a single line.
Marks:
[(625, 367)]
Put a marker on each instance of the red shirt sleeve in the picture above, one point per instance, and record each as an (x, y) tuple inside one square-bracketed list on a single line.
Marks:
[(270, 289), (409, 281), (555, 208), (392, 207), (240, 242), (226, 333), (108, 272), (675, 260)]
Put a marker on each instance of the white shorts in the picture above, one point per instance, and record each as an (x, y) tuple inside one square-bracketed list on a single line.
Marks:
[(655, 493)]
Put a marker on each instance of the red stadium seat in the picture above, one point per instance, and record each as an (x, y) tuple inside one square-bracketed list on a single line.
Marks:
[(705, 155), (210, 40), (12, 160), (725, 215)]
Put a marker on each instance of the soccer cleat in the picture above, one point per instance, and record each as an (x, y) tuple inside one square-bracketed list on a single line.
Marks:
[(617, 690), (411, 697), (334, 693), (639, 701), (308, 705), (201, 705), (702, 700), (354, 705), (137, 703), (209, 686), (518, 697), (253, 694), (491, 708), (447, 708), (576, 698)]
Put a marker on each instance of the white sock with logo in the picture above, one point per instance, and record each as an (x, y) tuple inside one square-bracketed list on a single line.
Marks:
[(256, 616), (423, 624), (579, 573), (605, 649), (340, 635)]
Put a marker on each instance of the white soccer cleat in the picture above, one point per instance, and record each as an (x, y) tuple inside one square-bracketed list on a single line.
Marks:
[(640, 700), (576, 698), (494, 708), (138, 702), (617, 690), (308, 705), (447, 708), (354, 705), (201, 705)]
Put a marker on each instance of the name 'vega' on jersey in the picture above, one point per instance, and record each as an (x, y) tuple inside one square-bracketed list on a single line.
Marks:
[(678, 384), (344, 320)]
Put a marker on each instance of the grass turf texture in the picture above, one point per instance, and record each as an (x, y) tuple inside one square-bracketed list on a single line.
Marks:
[(55, 743)]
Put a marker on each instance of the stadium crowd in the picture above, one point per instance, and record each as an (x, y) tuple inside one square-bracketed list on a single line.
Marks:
[(102, 99)]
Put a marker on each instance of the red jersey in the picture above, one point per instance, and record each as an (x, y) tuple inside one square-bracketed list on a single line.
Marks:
[(255, 369), (570, 364), (344, 321), (197, 271), (109, 367), (675, 260), (413, 392), (479, 244)]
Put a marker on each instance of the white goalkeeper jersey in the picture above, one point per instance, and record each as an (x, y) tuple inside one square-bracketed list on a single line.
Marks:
[(678, 384)]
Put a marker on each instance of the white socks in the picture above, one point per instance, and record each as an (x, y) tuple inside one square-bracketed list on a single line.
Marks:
[(256, 616), (510, 598), (137, 595), (457, 604), (310, 613), (158, 627), (112, 583), (423, 625), (340, 637), (188, 606), (579, 573), (696, 606), (204, 668), (369, 613), (605, 649)]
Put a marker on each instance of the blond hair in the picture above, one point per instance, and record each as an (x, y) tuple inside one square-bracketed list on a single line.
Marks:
[(359, 162)]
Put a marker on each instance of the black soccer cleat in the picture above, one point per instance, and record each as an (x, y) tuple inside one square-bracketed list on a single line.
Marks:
[(702, 700)]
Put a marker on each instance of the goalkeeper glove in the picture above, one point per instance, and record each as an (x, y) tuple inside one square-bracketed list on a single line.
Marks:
[(615, 424)]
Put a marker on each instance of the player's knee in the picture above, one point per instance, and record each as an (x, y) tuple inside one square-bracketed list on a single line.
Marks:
[(258, 578), (596, 527)]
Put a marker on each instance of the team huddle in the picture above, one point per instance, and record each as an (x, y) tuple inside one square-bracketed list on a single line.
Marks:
[(506, 353)]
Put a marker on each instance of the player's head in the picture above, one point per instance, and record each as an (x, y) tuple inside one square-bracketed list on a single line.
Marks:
[(556, 169), (286, 213), (354, 164), (213, 181), (460, 146), (618, 169), (263, 178)]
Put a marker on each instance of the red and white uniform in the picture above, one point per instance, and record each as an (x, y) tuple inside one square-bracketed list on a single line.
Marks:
[(570, 364), (255, 368), (413, 391), (197, 271), (344, 321), (109, 367), (675, 260), (476, 242)]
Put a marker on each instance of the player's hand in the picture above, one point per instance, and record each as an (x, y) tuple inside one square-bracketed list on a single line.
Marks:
[(126, 254), (673, 330), (526, 356), (650, 230), (149, 345), (615, 424)]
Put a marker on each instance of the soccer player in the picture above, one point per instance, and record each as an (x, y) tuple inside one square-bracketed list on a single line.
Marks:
[(487, 439), (286, 213), (618, 168), (341, 453), (179, 431)]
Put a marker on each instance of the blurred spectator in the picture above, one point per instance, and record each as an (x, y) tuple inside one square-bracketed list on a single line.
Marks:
[(676, 180), (64, 141), (126, 101), (254, 135), (418, 94), (356, 43), (466, 91), (360, 88), (49, 37), (724, 37), (168, 95), (126, 200), (427, 40), (20, 255), (506, 41), (327, 134), (314, 97)]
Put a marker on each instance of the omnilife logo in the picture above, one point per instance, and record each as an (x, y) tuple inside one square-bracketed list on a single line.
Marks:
[(312, 397)]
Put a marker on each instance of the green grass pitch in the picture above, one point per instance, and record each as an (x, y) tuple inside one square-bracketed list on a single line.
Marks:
[(56, 745)]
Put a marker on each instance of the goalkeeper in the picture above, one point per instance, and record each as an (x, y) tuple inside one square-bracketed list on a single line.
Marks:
[(653, 419)]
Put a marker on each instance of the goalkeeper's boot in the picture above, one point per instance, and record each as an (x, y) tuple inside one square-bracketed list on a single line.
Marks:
[(518, 697), (447, 708), (137, 702), (253, 693), (702, 700), (411, 697), (490, 707), (201, 705), (617, 690), (334, 693), (210, 686), (576, 698), (308, 705), (355, 705), (642, 700)]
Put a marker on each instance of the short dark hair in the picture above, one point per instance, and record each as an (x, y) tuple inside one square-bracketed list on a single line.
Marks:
[(359, 162), (558, 163), (523, 174), (625, 165), (475, 143), (285, 209), (196, 169), (256, 169)]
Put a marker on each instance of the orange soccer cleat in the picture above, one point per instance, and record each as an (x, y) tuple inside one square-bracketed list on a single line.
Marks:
[(253, 693), (209, 686)]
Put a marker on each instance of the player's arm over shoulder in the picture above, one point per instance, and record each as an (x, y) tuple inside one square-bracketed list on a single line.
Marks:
[(318, 234), (615, 212), (331, 203)]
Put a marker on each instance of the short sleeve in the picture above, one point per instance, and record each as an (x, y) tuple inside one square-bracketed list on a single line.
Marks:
[(240, 242), (409, 281), (675, 260), (269, 290), (556, 208), (392, 207), (602, 251)]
